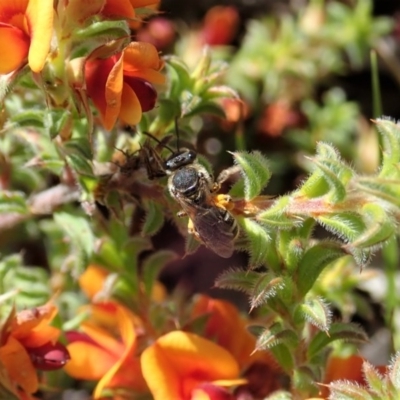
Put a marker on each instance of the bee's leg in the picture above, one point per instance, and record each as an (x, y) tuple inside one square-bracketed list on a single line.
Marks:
[(225, 175), (181, 214), (192, 230)]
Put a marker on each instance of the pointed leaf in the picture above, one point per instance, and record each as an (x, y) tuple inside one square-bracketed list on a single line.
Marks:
[(264, 288), (345, 390), (237, 279), (394, 371), (79, 231), (258, 241), (154, 218), (317, 312), (373, 379), (314, 261), (255, 172), (275, 216), (152, 267), (337, 331)]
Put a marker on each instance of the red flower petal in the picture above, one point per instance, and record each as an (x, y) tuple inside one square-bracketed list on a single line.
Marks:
[(145, 92), (49, 357)]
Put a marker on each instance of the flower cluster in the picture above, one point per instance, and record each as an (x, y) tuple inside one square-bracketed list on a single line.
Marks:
[(116, 74)]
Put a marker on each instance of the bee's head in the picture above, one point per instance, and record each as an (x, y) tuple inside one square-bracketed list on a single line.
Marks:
[(180, 159)]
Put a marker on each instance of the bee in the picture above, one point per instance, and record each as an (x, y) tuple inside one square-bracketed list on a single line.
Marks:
[(194, 189), (191, 185)]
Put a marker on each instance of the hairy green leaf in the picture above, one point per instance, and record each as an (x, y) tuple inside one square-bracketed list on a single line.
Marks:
[(255, 172), (237, 279), (152, 267), (154, 218), (337, 331), (314, 261), (258, 241), (316, 311), (13, 202)]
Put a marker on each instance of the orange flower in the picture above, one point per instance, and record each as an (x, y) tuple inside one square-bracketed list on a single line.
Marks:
[(226, 326), (105, 350), (221, 24), (121, 86), (27, 342), (184, 366), (25, 32), (126, 9)]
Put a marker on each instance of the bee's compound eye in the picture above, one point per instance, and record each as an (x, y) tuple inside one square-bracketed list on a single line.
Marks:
[(185, 180)]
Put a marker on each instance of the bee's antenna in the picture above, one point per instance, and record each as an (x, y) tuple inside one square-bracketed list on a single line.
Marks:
[(177, 133), (158, 141)]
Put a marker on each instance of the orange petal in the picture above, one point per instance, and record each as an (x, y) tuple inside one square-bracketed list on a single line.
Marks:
[(118, 8), (88, 361), (131, 110), (92, 280), (27, 320), (40, 19), (14, 46), (178, 361), (113, 95), (19, 366), (128, 336), (103, 339), (142, 61), (39, 336)]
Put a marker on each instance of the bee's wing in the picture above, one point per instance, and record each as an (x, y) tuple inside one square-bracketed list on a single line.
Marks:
[(216, 228)]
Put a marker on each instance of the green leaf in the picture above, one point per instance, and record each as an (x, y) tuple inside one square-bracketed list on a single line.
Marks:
[(255, 172), (152, 266), (373, 379), (317, 312), (264, 288), (131, 251), (30, 117), (291, 248), (179, 77), (60, 119), (276, 335), (13, 202), (345, 225), (334, 171), (345, 390), (390, 132), (337, 331), (379, 227), (394, 371), (206, 107), (106, 29), (313, 262), (79, 232), (315, 186), (258, 241), (154, 219), (80, 164), (275, 216), (237, 279)]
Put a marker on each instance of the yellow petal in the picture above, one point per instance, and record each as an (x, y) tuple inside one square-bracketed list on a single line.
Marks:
[(14, 46), (92, 280), (88, 361), (40, 15), (178, 361)]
